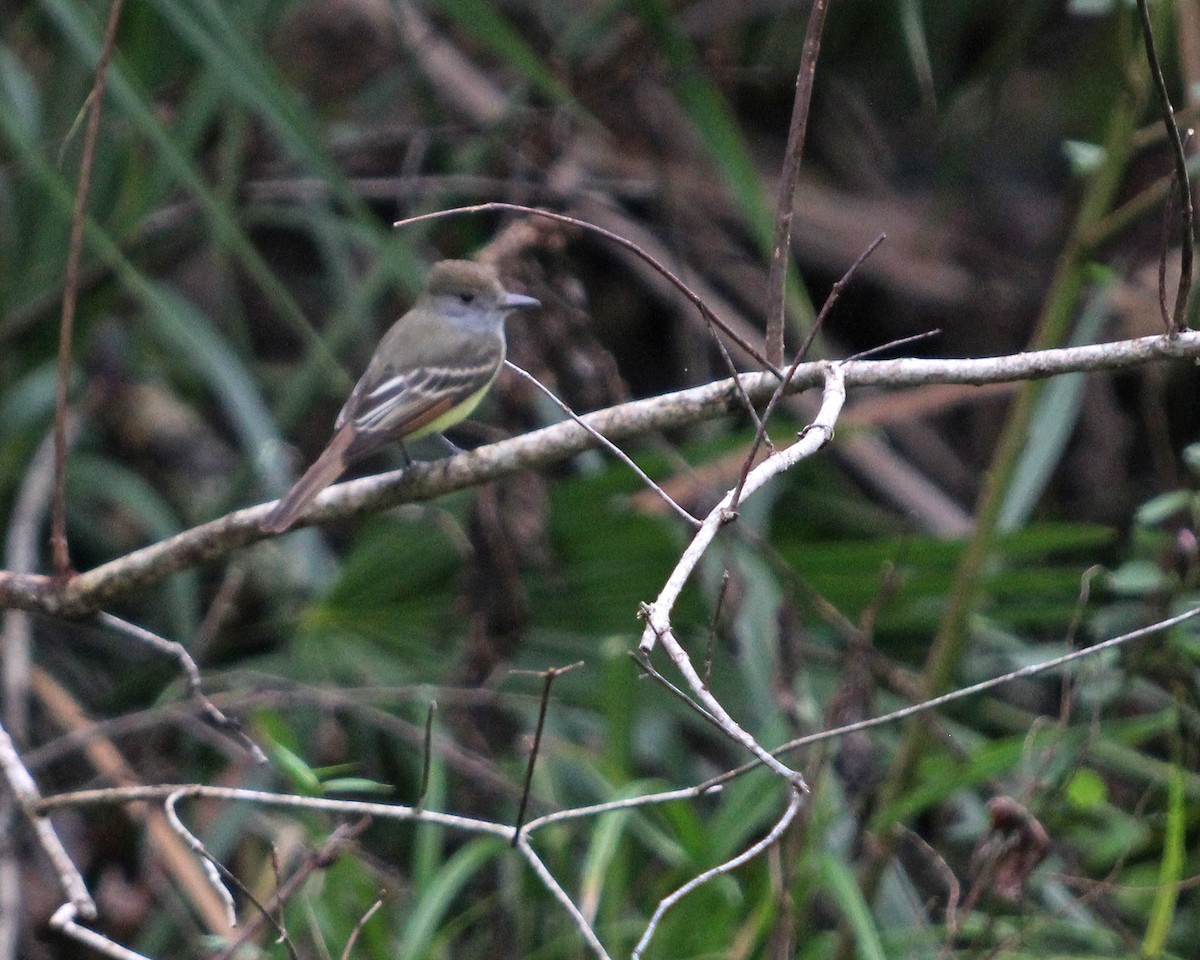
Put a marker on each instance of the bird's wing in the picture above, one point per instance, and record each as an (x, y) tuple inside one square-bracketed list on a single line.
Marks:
[(393, 402)]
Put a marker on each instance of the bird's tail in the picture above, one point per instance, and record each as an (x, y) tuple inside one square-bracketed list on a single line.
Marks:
[(327, 468)]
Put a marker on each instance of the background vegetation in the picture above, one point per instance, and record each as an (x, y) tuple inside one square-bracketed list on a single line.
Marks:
[(239, 267)]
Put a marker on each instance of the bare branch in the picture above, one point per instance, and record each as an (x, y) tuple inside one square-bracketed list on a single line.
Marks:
[(982, 686), (357, 807), (91, 590)]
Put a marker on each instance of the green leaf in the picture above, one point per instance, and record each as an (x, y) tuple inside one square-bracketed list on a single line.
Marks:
[(293, 767), (1164, 507), (710, 113), (838, 881), (356, 785), (1191, 456), (1137, 578), (1087, 790), (1166, 897), (1051, 424), (434, 902), (21, 97)]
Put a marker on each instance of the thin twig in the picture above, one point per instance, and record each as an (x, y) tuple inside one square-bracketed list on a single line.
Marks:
[(24, 789), (1164, 310), (789, 177), (625, 803), (643, 660), (733, 371), (358, 928), (217, 872), (722, 590), (893, 344), (559, 894), (606, 443), (21, 555), (1178, 321), (61, 557), (551, 675), (274, 911), (11, 881), (745, 856)]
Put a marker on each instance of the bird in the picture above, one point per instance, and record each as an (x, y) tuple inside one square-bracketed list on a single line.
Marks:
[(430, 370)]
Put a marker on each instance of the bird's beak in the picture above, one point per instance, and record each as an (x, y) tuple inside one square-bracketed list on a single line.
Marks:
[(517, 301)]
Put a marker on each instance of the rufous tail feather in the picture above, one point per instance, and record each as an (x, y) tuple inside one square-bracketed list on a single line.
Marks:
[(325, 469)]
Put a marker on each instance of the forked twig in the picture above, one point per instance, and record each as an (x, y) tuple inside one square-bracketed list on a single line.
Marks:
[(551, 675), (658, 614), (63, 920), (761, 433)]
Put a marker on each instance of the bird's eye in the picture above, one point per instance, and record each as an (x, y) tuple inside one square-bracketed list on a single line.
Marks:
[(467, 297)]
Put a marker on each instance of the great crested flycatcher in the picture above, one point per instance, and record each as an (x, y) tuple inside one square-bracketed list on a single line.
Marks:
[(430, 371)]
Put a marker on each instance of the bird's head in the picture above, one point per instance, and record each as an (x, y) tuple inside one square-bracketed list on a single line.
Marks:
[(468, 291)]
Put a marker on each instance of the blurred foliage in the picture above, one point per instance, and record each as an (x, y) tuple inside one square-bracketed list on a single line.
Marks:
[(239, 267)]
